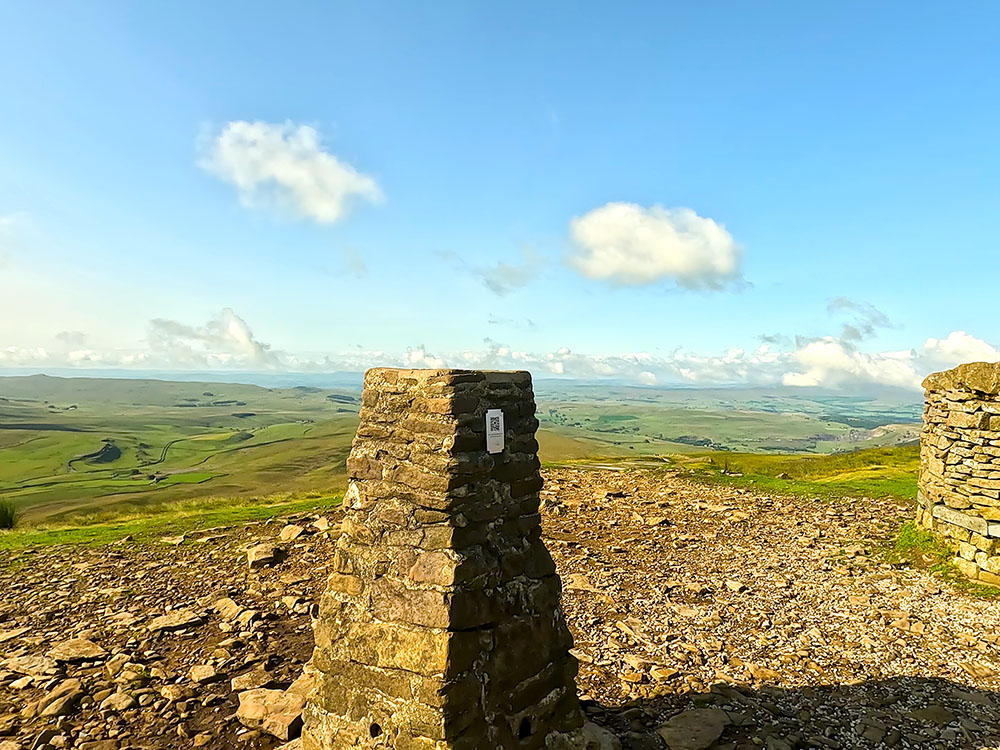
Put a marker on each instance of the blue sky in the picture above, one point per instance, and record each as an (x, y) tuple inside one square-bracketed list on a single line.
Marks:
[(582, 189)]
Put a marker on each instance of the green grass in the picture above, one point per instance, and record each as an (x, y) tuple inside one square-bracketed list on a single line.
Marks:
[(172, 441), (51, 430), (873, 472), (9, 514), (149, 523), (921, 549)]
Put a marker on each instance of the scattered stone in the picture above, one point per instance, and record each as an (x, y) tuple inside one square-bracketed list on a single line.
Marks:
[(696, 729), (76, 650), (204, 674), (274, 711), (291, 532), (62, 700), (9, 635), (176, 620), (262, 556), (321, 524), (255, 678), (118, 702)]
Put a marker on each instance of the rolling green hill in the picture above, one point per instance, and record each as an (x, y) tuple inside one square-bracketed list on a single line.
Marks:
[(77, 446)]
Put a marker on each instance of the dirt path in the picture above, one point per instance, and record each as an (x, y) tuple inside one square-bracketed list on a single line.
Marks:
[(770, 610)]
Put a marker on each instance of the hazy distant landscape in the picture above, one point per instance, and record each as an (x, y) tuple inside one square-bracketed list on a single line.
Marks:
[(80, 446)]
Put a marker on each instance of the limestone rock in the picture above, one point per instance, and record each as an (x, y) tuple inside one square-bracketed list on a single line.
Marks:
[(291, 532), (119, 702), (321, 524), (227, 608), (696, 729), (203, 674), (599, 738), (176, 620), (277, 712), (255, 678), (62, 700), (262, 556), (34, 666), (77, 649)]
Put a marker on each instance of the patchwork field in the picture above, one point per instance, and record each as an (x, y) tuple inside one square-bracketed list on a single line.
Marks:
[(83, 445), (73, 447)]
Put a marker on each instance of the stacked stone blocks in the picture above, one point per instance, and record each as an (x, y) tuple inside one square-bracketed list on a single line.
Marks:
[(441, 626), (959, 493)]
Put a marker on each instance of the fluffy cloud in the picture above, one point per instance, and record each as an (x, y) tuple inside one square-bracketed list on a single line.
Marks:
[(419, 357), (226, 340), (959, 347), (627, 244), (831, 362), (284, 164)]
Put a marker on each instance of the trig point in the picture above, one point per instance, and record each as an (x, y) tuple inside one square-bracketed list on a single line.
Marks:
[(441, 626)]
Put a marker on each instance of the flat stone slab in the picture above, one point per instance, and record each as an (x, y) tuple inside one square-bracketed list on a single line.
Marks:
[(77, 649), (177, 620), (972, 523)]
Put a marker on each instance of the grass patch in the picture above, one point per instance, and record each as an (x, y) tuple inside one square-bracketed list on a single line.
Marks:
[(920, 549), (9, 514), (153, 522), (873, 472)]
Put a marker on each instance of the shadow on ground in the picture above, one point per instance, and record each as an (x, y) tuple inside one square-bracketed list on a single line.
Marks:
[(901, 712)]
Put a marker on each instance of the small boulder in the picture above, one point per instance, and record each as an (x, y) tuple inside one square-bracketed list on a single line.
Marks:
[(255, 678), (696, 729), (176, 620), (291, 532), (599, 738), (276, 712), (203, 674), (76, 650), (62, 700), (262, 556), (321, 524), (118, 702)]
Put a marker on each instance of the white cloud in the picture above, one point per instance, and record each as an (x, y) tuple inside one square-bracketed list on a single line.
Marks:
[(419, 357), (831, 362), (960, 347), (284, 164), (627, 244), (226, 340)]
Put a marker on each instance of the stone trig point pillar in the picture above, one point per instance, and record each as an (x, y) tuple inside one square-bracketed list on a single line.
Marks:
[(959, 494), (441, 626)]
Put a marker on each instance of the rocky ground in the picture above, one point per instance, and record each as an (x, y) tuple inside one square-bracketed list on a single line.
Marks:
[(703, 618)]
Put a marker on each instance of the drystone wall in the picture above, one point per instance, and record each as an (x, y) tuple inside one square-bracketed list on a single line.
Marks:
[(959, 494), (441, 625)]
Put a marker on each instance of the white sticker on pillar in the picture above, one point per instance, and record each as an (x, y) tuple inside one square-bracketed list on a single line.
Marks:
[(494, 431)]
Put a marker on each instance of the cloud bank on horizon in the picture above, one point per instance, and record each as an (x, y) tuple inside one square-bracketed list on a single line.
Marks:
[(226, 342)]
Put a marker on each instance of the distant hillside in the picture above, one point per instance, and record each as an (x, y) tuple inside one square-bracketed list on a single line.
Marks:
[(81, 445)]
